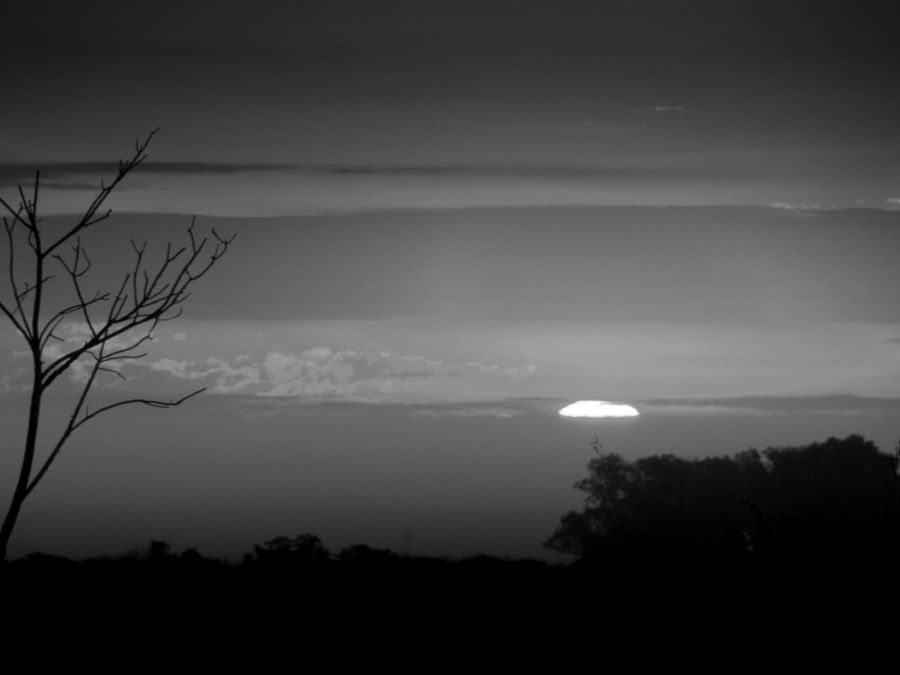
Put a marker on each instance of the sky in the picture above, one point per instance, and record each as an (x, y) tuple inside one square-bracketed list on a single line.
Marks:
[(452, 219)]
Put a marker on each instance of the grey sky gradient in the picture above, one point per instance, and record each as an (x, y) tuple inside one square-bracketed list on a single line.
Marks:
[(453, 217), (807, 83), (737, 265)]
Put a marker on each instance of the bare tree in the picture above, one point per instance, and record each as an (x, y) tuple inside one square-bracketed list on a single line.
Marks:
[(113, 324)]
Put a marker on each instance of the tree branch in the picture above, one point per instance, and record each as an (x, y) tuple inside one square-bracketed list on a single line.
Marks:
[(90, 216), (152, 301), (153, 403), (145, 297), (17, 296)]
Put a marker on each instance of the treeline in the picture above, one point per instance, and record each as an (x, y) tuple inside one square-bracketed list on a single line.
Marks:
[(836, 501), (827, 505), (296, 561)]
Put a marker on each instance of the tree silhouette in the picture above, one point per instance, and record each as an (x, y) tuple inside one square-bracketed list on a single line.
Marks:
[(834, 499), (302, 550), (112, 324)]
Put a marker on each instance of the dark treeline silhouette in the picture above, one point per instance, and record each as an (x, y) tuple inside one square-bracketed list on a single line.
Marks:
[(296, 561), (296, 576), (654, 527), (831, 502)]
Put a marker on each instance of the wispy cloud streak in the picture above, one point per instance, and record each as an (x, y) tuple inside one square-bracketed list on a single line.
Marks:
[(773, 405), (13, 174), (325, 374)]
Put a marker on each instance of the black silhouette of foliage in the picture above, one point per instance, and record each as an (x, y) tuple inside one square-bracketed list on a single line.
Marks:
[(361, 555), (48, 276), (303, 549), (839, 495)]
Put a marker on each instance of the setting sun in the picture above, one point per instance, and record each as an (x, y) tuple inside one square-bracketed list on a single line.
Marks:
[(598, 409)]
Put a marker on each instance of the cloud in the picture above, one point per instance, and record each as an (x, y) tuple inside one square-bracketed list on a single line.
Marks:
[(325, 374), (483, 170), (176, 368), (316, 374), (659, 108), (64, 185), (774, 405), (58, 174), (694, 408), (219, 376), (500, 409), (70, 336), (261, 407), (795, 207), (63, 175), (618, 170)]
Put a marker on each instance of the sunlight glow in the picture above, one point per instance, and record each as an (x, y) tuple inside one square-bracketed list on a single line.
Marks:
[(598, 409)]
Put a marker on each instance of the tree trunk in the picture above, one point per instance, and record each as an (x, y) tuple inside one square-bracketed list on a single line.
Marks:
[(21, 490)]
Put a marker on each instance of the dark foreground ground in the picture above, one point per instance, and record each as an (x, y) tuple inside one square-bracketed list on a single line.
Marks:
[(362, 576), (722, 561), (365, 607)]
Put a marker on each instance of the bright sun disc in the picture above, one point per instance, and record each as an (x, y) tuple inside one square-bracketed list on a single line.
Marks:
[(598, 409)]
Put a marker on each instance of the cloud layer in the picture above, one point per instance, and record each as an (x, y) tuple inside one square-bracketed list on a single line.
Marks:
[(325, 374)]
